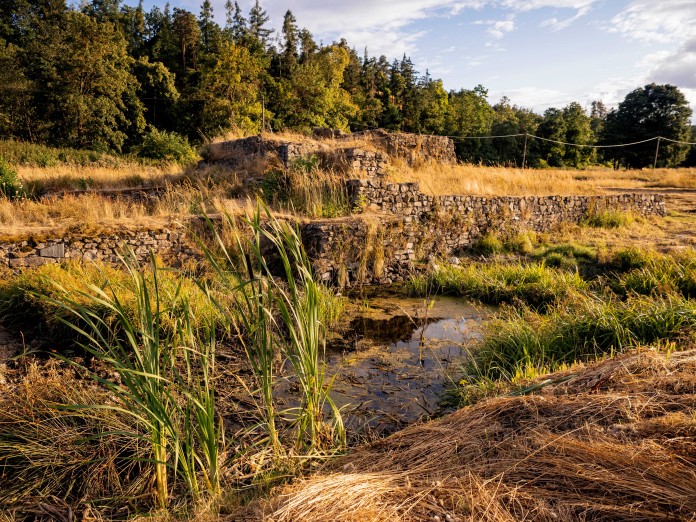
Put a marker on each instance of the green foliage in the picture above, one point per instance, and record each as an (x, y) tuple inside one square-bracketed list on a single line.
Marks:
[(22, 306), (167, 146), (628, 258), (648, 112), (10, 186), (282, 311), (175, 403), (656, 274), (37, 155), (566, 255), (488, 244)]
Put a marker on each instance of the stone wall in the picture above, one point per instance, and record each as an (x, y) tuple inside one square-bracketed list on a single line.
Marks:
[(410, 227), (414, 148), (536, 212), (172, 245)]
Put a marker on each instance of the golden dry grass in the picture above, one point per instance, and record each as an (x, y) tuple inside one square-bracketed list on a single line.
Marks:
[(443, 179), (617, 442), (72, 177)]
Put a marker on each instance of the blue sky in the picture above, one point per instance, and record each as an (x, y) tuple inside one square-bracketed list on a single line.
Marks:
[(538, 53)]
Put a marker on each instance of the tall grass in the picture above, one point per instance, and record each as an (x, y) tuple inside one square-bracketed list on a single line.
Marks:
[(520, 341), (165, 377), (283, 301)]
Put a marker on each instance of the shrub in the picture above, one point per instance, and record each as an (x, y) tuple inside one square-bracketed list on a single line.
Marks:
[(167, 146), (10, 186)]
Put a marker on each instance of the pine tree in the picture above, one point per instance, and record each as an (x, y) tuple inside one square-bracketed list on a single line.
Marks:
[(289, 54), (258, 32), (206, 23)]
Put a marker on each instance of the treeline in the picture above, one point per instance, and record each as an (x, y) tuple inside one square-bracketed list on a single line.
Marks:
[(113, 77)]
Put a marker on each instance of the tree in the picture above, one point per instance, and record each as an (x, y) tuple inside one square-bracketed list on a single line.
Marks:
[(469, 114), (89, 91), (552, 127), (646, 113), (579, 131), (206, 23), (188, 35), (258, 32), (291, 36), (316, 98), (230, 90)]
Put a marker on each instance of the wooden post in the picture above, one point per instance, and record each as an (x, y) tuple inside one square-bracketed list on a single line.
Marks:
[(657, 150), (524, 153)]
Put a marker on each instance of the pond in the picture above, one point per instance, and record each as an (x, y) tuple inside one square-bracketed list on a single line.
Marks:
[(396, 360)]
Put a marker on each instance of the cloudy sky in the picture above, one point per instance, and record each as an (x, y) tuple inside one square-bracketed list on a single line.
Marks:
[(538, 53)]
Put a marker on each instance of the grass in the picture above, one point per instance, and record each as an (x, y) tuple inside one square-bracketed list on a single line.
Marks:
[(81, 458), (520, 340), (23, 304), (165, 375), (284, 303), (441, 179), (609, 444), (495, 283)]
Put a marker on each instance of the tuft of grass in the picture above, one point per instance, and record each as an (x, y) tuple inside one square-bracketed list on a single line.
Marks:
[(494, 283), (609, 219), (657, 274), (488, 244)]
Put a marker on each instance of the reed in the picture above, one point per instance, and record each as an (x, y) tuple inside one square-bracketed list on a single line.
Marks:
[(176, 407)]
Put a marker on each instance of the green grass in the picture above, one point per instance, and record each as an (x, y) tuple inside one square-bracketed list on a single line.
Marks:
[(34, 155), (609, 219), (534, 284), (22, 304), (522, 340)]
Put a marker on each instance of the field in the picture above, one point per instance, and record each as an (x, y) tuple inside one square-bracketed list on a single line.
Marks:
[(207, 393)]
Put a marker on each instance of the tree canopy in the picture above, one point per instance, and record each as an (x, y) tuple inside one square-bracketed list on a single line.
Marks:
[(104, 75)]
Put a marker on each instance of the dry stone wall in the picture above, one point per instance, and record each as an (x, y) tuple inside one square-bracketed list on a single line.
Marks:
[(414, 148), (409, 227), (172, 244)]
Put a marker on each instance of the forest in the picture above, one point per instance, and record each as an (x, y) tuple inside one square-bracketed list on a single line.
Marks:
[(110, 77)]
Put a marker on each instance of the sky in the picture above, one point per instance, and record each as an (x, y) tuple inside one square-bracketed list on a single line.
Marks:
[(538, 53)]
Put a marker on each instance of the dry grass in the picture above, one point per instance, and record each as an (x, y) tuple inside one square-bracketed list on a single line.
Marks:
[(616, 442), (442, 179), (77, 177)]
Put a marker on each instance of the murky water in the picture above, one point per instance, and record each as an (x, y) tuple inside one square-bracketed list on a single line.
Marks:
[(398, 357)]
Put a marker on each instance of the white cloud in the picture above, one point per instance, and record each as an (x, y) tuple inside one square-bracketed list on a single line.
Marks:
[(498, 28), (538, 99), (656, 20), (556, 25)]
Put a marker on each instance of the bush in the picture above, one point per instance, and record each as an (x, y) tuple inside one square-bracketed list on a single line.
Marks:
[(167, 146), (10, 186)]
